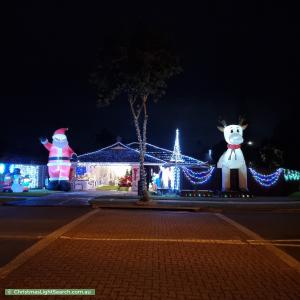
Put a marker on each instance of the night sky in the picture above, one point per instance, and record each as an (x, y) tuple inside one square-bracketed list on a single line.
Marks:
[(237, 58)]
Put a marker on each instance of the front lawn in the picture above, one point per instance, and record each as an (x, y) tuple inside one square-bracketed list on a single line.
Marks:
[(107, 188), (295, 195), (9, 199), (31, 193), (112, 188)]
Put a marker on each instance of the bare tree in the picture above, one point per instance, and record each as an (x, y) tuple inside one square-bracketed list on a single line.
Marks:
[(136, 68)]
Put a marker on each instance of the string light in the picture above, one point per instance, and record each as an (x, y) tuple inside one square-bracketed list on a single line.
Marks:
[(266, 180), (176, 178), (80, 170), (176, 157), (291, 175), (2, 168), (165, 154), (112, 154), (198, 177), (11, 168), (33, 171)]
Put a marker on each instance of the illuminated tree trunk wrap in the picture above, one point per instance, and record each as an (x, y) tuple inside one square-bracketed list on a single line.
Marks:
[(141, 136)]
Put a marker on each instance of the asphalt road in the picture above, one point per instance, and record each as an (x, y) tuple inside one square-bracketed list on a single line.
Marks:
[(283, 229), (21, 227)]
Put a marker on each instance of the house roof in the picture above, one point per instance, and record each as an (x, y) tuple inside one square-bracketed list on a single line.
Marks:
[(118, 153), (164, 154), (24, 159)]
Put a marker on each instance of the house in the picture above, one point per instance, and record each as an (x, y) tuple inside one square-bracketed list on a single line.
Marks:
[(107, 165)]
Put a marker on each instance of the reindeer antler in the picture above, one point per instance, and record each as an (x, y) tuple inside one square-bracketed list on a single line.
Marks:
[(223, 122), (241, 123), (241, 120)]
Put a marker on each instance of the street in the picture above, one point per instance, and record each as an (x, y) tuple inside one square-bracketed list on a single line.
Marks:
[(21, 227), (281, 228), (126, 254)]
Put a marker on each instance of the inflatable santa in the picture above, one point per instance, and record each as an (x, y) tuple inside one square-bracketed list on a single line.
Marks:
[(59, 165)]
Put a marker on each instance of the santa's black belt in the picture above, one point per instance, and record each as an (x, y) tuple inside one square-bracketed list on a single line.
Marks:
[(59, 158)]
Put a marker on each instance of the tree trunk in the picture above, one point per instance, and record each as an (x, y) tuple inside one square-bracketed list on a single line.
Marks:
[(142, 154), (141, 135)]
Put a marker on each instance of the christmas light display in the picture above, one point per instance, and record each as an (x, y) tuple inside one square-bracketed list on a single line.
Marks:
[(32, 171), (17, 186), (167, 177), (117, 153), (80, 170), (176, 158), (59, 164), (233, 157), (11, 168), (165, 154), (26, 183), (291, 175), (266, 180), (2, 168), (176, 155), (176, 175), (197, 178)]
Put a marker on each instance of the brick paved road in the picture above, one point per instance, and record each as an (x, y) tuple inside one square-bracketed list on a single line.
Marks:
[(157, 255)]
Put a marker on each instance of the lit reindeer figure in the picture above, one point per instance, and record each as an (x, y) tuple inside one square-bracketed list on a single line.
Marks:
[(233, 158)]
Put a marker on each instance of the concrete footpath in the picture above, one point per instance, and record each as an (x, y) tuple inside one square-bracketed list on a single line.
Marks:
[(209, 205), (125, 254), (123, 200)]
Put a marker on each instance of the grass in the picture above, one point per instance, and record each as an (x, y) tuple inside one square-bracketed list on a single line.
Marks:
[(107, 188), (295, 195), (8, 199), (112, 188), (123, 189), (31, 193)]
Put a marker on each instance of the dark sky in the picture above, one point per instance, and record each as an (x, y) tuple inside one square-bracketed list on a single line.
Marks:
[(238, 58)]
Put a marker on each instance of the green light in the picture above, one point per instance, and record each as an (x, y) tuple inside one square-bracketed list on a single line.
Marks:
[(291, 175)]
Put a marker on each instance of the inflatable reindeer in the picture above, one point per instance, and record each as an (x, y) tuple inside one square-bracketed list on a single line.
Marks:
[(233, 158)]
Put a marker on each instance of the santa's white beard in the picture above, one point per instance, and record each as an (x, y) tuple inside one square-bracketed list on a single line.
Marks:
[(60, 144)]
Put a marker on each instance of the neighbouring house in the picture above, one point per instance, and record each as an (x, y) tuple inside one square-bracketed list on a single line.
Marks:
[(35, 172)]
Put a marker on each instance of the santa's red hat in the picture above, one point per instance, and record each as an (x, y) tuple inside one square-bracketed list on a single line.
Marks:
[(60, 131)]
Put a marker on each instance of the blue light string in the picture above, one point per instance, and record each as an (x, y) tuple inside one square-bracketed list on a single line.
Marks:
[(198, 175), (203, 178), (177, 178), (111, 148), (266, 180), (168, 153)]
